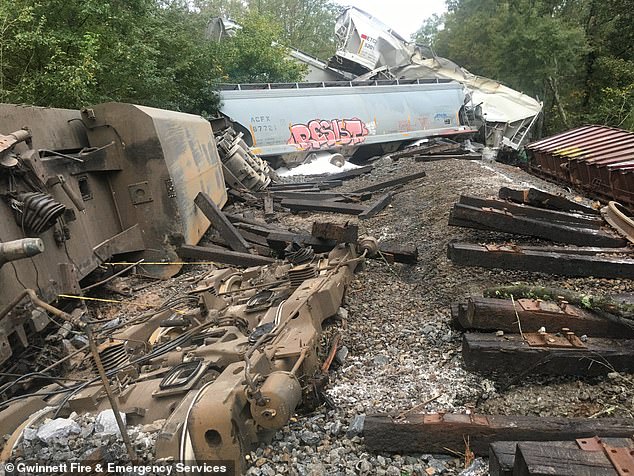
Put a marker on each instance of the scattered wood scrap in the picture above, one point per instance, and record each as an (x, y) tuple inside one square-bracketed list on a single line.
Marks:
[(268, 206), (539, 198), (391, 182), (221, 223), (447, 433), (494, 219), (377, 207), (430, 149), (530, 315), (583, 457), (348, 174), (222, 255), (323, 206), (432, 158), (548, 354), (311, 195), (394, 253), (341, 233), (604, 263), (554, 216)]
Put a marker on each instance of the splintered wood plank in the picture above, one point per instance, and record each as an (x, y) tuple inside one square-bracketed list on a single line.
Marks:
[(391, 182), (323, 206), (539, 198), (446, 433), (489, 314), (549, 459), (268, 206), (557, 263), (221, 223), (504, 221), (502, 458), (512, 355), (341, 233), (549, 456), (399, 253), (377, 206), (581, 219), (348, 174), (224, 256)]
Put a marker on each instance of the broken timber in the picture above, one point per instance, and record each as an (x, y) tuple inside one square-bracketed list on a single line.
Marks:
[(503, 221), (221, 223), (310, 195), (346, 233), (489, 314), (554, 458), (348, 174), (434, 157), (377, 207), (268, 205), (390, 183), (579, 219), (407, 254), (539, 198), (323, 206), (558, 263), (447, 433), (429, 150), (513, 355), (222, 255)]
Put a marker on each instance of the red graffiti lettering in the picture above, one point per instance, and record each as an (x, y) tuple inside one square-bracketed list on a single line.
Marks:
[(320, 134)]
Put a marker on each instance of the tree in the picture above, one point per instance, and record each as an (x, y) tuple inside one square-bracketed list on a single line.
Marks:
[(308, 25), (71, 53), (254, 55), (575, 55), (427, 33)]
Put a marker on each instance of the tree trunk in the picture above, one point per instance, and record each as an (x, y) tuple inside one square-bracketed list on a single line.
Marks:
[(562, 113)]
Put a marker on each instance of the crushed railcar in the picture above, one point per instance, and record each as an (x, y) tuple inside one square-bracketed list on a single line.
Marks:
[(79, 187)]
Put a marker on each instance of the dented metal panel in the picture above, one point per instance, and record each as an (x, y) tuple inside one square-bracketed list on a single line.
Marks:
[(168, 157)]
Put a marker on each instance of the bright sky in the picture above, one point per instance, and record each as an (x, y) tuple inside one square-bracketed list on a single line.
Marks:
[(403, 16)]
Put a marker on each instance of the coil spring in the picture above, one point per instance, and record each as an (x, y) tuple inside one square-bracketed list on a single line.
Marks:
[(36, 211)]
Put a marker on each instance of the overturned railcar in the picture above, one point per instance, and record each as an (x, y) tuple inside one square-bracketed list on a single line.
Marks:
[(291, 121), (79, 187)]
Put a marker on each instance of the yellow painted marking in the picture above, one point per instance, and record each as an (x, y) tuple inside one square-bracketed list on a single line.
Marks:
[(361, 46), (255, 141), (163, 263), (86, 298)]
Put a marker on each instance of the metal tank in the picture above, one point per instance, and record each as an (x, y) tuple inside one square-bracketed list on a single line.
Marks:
[(293, 120)]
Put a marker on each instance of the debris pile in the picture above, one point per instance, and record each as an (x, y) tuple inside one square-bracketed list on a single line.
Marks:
[(599, 250)]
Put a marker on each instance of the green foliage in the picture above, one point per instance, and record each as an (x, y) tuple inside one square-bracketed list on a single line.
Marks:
[(581, 49), (71, 53), (307, 25), (426, 34), (249, 57)]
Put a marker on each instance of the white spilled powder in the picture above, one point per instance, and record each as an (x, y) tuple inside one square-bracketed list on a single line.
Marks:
[(319, 166), (505, 177)]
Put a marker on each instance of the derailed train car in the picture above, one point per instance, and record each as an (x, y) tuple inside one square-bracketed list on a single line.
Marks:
[(79, 187), (291, 121), (217, 369)]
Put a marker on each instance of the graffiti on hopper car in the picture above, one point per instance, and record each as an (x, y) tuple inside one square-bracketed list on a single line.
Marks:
[(322, 134)]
